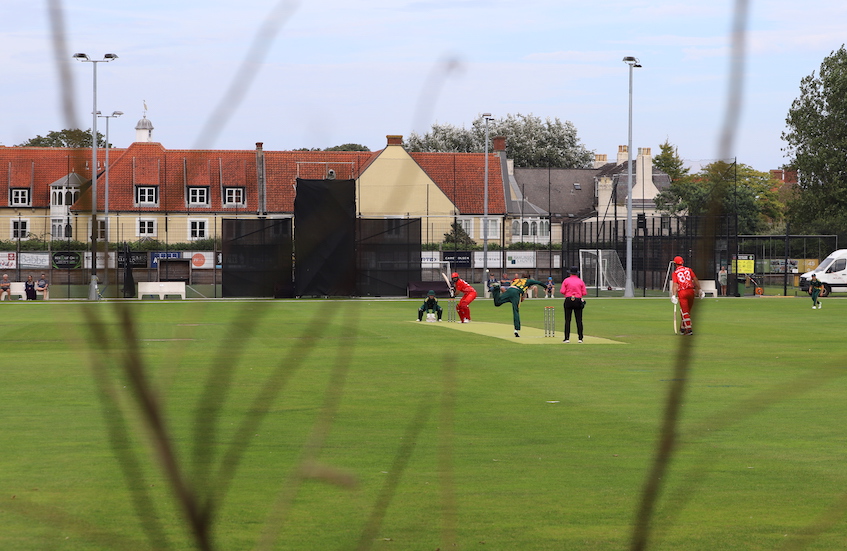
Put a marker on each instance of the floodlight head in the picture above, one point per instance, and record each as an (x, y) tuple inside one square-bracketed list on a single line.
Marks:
[(117, 113), (110, 57), (81, 57), (632, 61)]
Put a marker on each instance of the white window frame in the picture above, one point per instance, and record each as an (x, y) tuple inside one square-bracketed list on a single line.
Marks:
[(57, 228), (144, 192), (101, 225), (493, 228), (20, 197), (18, 226), (198, 196), (149, 223), (195, 232), (228, 196), (467, 225)]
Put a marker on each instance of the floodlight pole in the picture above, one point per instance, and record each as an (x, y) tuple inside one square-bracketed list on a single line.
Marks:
[(487, 117), (114, 115), (92, 286), (629, 289)]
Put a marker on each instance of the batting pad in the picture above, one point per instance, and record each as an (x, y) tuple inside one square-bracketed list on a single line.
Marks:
[(529, 335)]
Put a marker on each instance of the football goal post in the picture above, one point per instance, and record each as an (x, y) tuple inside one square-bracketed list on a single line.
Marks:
[(601, 268)]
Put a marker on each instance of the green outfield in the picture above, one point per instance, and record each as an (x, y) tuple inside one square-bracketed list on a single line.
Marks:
[(345, 424)]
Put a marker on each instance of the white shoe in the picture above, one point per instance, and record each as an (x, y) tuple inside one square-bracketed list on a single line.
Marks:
[(819, 305), (517, 334), (566, 341), (814, 307), (580, 341)]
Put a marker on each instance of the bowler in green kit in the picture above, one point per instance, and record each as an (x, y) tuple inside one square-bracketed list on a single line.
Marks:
[(513, 294)]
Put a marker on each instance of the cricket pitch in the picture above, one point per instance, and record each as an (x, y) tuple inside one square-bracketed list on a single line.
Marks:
[(529, 335)]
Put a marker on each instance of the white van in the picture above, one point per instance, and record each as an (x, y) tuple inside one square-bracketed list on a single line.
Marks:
[(832, 272)]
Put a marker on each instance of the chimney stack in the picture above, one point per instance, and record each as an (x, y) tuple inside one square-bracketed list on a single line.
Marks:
[(395, 139)]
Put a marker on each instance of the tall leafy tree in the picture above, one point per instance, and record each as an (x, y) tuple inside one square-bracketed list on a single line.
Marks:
[(69, 137), (728, 188), (446, 138), (669, 162), (816, 138), (530, 141)]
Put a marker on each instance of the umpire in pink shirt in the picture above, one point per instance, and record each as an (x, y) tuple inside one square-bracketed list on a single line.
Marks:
[(574, 290)]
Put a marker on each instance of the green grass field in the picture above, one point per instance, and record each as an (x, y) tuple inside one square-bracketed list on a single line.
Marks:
[(344, 424)]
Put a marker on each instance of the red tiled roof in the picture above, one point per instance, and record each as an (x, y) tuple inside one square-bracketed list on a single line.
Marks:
[(460, 176), (38, 167)]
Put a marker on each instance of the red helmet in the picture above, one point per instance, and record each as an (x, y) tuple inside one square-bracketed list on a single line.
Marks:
[(678, 260), (454, 275)]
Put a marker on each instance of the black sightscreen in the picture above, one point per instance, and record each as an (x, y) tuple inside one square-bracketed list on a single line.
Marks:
[(389, 255), (257, 258), (325, 225)]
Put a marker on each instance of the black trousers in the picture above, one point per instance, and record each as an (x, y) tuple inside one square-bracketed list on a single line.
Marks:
[(573, 306)]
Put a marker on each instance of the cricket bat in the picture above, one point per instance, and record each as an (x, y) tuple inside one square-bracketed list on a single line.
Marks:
[(449, 284), (675, 319)]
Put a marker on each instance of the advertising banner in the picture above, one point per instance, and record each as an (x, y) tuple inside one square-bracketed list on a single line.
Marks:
[(154, 257), (429, 258), (457, 259), (203, 260), (8, 261), (68, 260), (40, 261), (137, 259), (101, 260), (495, 259), (520, 259)]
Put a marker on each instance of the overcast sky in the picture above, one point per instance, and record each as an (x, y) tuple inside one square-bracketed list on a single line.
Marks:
[(321, 73)]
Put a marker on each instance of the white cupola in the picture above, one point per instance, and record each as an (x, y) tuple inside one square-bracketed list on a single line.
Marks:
[(144, 130)]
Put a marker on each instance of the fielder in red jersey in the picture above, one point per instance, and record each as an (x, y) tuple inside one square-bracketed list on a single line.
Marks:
[(468, 295), (684, 288)]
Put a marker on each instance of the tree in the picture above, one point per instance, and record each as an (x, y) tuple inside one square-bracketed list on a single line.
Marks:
[(530, 142), (816, 135), (458, 238), (69, 137), (446, 138), (731, 189), (669, 162), (348, 147)]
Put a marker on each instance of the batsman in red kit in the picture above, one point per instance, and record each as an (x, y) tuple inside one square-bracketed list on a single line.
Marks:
[(468, 295), (684, 289)]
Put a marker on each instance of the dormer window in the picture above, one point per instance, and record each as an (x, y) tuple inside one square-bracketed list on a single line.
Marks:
[(198, 196), (19, 197), (234, 197), (146, 196)]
